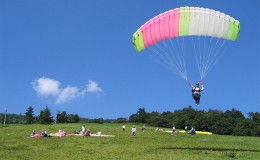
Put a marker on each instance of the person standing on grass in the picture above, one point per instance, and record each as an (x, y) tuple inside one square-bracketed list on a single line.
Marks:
[(186, 128), (143, 128), (123, 127), (133, 131), (173, 129)]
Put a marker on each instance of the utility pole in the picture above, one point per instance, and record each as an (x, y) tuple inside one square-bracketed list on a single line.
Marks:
[(5, 116)]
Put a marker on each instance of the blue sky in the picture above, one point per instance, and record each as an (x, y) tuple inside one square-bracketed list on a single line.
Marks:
[(78, 56)]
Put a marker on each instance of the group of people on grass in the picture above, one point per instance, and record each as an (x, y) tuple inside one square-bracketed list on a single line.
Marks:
[(81, 131), (192, 131), (44, 133), (133, 130), (174, 131), (86, 132)]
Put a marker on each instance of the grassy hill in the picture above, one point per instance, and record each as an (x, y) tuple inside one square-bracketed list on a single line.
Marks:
[(16, 144)]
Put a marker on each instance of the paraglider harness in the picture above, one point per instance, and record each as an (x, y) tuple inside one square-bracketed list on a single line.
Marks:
[(196, 92)]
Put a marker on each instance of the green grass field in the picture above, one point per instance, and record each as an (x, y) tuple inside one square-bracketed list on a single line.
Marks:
[(16, 144)]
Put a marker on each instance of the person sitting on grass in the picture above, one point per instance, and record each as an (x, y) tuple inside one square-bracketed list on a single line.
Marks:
[(33, 133), (192, 131), (88, 133)]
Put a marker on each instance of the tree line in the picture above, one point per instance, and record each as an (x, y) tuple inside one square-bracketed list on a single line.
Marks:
[(230, 122), (45, 117)]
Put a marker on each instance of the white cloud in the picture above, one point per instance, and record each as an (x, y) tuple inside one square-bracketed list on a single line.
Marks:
[(46, 86), (49, 87), (93, 87), (68, 94)]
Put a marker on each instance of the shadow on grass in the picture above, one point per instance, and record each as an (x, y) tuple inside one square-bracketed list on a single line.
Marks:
[(210, 149)]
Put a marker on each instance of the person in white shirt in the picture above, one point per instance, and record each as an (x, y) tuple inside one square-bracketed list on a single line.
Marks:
[(123, 127), (173, 129), (133, 131), (83, 129), (196, 93)]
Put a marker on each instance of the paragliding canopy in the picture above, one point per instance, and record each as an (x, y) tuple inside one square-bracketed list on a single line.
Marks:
[(186, 21), (172, 26)]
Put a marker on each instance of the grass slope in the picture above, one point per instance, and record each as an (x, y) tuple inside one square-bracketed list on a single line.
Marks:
[(16, 144)]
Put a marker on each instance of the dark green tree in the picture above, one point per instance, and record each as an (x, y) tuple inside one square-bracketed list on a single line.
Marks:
[(255, 117), (121, 120), (154, 118), (142, 115), (214, 116), (234, 114), (244, 128), (133, 118), (73, 118), (230, 121), (45, 116), (62, 117), (201, 121), (167, 119), (29, 115), (99, 120), (184, 117)]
